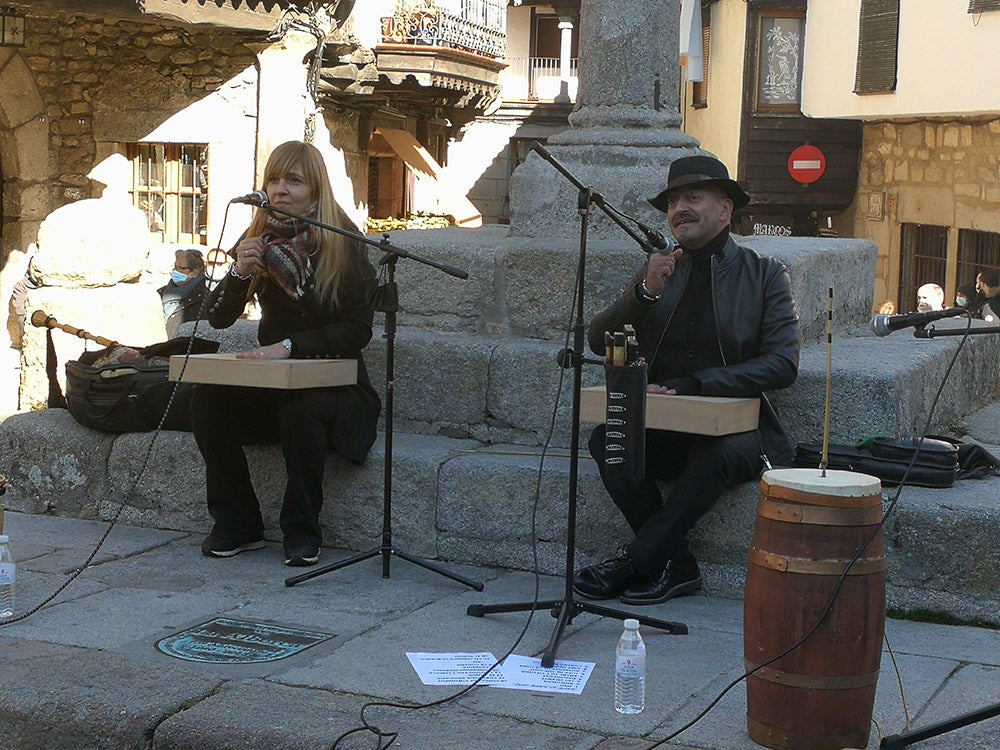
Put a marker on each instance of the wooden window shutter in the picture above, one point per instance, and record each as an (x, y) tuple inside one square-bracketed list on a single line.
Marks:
[(878, 39), (699, 89), (980, 6)]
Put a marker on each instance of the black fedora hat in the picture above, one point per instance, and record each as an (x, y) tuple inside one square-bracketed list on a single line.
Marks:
[(689, 170)]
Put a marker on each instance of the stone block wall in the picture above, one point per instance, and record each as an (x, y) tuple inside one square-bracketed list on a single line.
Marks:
[(938, 173), (81, 83)]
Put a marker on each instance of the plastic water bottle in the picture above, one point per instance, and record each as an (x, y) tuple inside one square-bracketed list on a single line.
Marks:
[(630, 670), (6, 579)]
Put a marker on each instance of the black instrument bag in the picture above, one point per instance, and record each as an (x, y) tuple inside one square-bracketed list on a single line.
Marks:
[(131, 397), (888, 459)]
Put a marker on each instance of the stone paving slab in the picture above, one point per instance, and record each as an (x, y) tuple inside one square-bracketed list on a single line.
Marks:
[(83, 672)]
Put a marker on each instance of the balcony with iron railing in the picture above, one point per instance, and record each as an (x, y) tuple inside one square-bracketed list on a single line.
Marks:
[(538, 79), (446, 54), (476, 26)]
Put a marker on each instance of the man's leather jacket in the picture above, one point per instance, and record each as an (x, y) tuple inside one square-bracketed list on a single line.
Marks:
[(756, 324)]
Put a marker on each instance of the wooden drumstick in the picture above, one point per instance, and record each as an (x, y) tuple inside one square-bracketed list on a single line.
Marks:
[(824, 460)]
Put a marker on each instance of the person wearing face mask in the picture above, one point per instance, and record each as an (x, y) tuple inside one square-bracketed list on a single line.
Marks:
[(967, 296), (712, 318), (184, 293)]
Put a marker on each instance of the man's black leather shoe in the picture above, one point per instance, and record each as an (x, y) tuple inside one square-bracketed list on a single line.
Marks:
[(605, 580), (677, 579)]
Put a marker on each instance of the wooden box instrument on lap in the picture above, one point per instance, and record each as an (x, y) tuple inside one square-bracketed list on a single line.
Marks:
[(226, 369), (700, 415)]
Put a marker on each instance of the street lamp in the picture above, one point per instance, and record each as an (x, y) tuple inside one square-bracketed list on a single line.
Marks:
[(11, 28)]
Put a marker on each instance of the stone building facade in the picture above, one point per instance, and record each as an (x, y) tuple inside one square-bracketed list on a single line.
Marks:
[(930, 183), (107, 99), (82, 85), (93, 80)]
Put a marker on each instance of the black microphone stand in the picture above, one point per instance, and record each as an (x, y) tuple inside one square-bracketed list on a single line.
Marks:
[(897, 741), (565, 609), (387, 301), (932, 333)]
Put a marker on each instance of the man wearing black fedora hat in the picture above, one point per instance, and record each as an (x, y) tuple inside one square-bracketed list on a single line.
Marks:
[(713, 318)]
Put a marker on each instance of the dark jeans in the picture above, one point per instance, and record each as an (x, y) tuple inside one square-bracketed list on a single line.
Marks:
[(224, 419), (702, 467)]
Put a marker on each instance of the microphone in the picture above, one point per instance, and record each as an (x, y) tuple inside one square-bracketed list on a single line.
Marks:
[(883, 325), (657, 239), (256, 198)]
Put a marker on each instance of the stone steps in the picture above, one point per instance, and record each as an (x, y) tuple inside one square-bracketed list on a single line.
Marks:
[(458, 501), (503, 389), (476, 382)]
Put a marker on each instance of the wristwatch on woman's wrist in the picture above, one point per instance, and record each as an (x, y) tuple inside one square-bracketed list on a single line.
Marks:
[(287, 343)]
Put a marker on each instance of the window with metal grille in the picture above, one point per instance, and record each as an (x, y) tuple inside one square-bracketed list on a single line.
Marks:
[(923, 259), (699, 89), (980, 6), (170, 185), (878, 39), (977, 251)]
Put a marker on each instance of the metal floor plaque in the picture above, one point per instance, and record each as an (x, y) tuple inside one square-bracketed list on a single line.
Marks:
[(225, 641)]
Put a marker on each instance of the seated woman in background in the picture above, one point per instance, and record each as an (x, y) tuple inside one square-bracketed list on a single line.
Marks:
[(315, 291), (183, 294)]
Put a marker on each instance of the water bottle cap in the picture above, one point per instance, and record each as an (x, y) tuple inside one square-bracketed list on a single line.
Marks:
[(631, 624)]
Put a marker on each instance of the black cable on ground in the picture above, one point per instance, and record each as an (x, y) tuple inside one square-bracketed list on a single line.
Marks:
[(392, 736)]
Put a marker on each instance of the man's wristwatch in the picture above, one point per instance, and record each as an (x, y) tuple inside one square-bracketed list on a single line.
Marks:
[(287, 343)]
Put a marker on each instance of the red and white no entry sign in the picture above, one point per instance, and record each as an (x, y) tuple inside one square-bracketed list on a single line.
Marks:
[(806, 164)]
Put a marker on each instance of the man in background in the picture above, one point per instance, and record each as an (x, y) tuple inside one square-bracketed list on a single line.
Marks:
[(988, 284), (930, 297), (217, 265)]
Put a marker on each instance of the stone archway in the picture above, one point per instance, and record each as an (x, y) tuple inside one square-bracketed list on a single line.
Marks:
[(24, 155)]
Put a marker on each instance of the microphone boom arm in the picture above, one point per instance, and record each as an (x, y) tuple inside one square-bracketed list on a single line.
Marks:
[(384, 245), (930, 333), (647, 243)]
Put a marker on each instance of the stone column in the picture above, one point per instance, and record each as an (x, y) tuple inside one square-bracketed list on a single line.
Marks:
[(625, 129), (565, 45), (285, 104)]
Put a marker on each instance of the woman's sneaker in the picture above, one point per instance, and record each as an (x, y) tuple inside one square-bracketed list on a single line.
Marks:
[(301, 557), (215, 546)]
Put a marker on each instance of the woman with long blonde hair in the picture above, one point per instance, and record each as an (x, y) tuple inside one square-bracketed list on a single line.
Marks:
[(315, 292)]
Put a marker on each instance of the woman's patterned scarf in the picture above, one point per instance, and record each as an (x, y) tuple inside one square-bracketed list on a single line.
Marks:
[(288, 247)]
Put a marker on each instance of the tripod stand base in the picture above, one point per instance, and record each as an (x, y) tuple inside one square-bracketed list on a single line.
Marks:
[(385, 552), (564, 610), (896, 741)]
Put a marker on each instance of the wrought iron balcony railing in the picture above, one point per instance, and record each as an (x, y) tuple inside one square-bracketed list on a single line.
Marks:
[(477, 26), (537, 78)]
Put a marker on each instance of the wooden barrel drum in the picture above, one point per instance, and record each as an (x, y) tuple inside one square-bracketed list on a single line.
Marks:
[(809, 527)]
